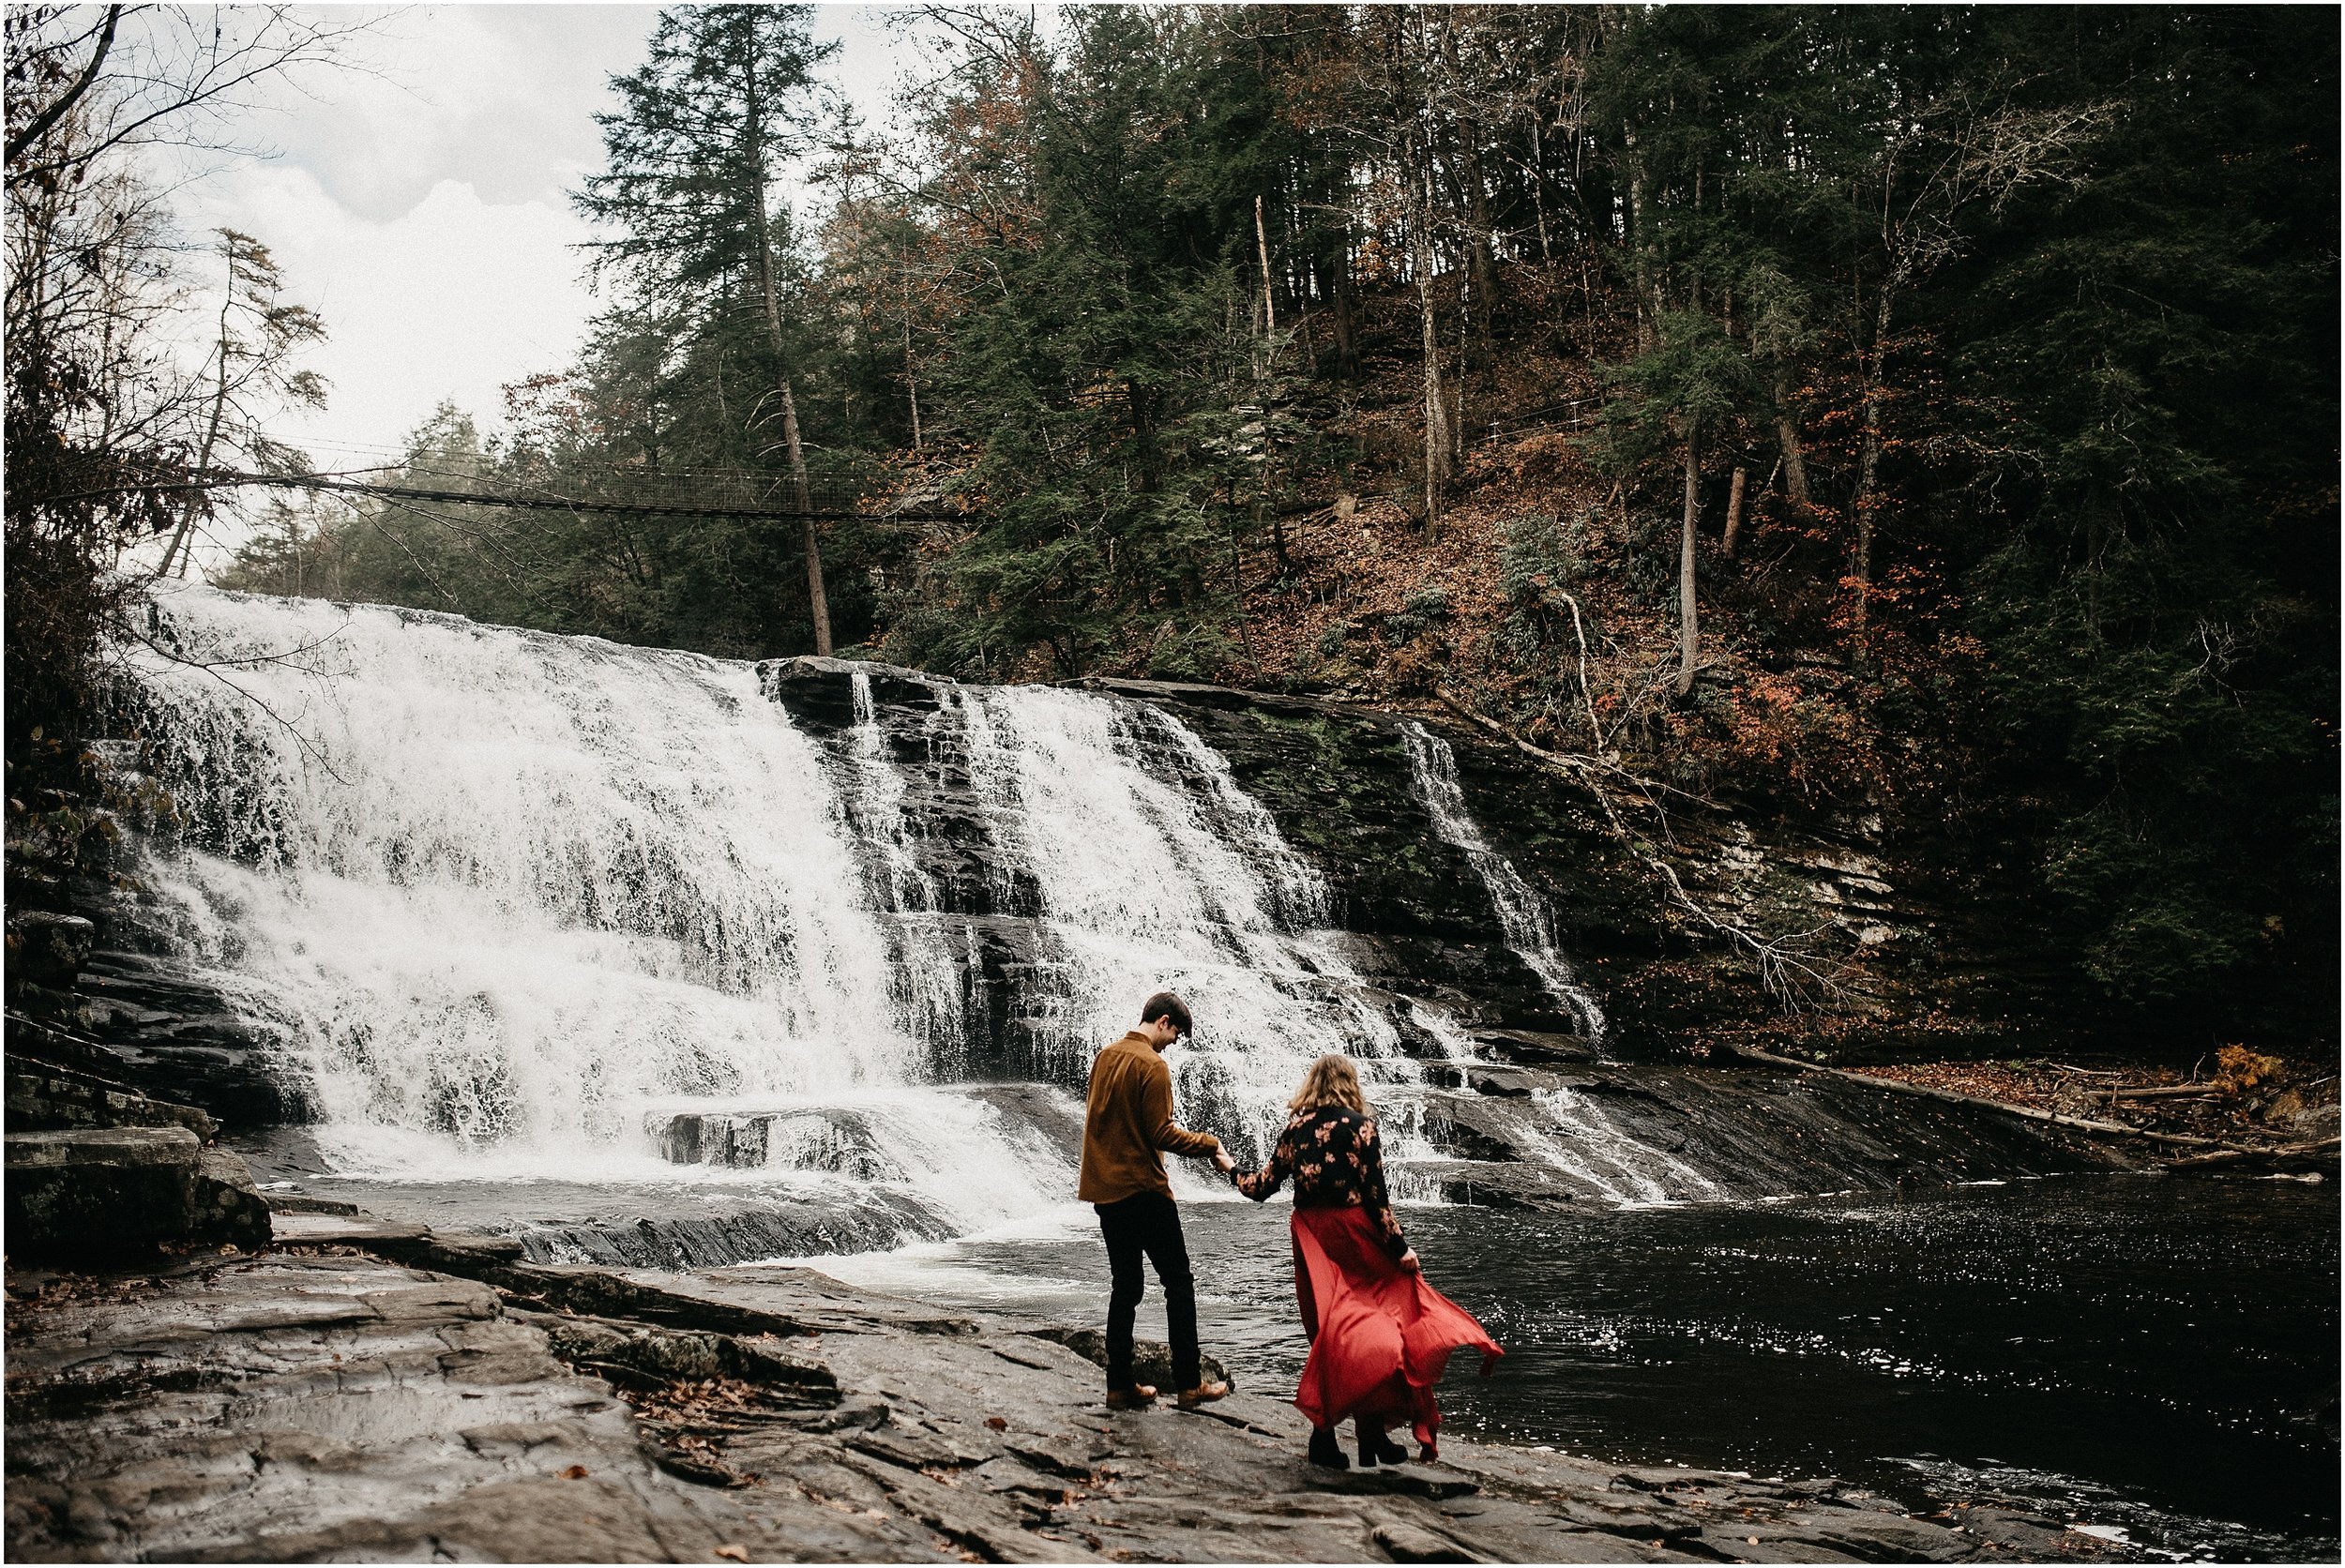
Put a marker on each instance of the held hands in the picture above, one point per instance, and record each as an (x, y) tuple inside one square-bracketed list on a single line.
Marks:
[(1408, 1261), (1223, 1162)]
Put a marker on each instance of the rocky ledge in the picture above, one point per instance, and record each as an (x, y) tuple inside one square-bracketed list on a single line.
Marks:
[(367, 1391)]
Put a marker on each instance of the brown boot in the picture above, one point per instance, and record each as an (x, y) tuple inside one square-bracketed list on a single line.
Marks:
[(1203, 1394), (1136, 1397)]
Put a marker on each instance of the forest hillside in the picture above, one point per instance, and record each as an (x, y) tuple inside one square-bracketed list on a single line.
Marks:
[(1915, 421)]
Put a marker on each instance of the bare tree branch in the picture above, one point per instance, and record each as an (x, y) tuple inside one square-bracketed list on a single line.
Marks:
[(66, 99)]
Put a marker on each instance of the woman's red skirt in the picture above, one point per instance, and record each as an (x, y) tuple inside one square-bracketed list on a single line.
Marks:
[(1381, 1336)]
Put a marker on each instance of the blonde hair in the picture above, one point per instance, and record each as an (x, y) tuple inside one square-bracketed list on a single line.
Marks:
[(1332, 1080)]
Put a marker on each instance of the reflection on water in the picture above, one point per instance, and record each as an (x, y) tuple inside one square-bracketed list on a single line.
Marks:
[(2160, 1355)]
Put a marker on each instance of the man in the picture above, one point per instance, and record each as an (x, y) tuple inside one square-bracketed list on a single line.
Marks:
[(1128, 1122)]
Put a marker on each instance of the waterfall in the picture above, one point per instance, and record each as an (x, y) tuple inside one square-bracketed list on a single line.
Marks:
[(1522, 914), (505, 894), (514, 906), (1595, 1150)]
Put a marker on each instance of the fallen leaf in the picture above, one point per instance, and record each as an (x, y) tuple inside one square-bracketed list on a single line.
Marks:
[(734, 1553), (997, 1423), (576, 1472)]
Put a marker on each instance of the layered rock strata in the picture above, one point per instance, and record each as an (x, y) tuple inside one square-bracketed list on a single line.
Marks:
[(100, 1172)]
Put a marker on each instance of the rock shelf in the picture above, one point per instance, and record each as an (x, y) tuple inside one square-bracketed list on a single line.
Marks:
[(377, 1393)]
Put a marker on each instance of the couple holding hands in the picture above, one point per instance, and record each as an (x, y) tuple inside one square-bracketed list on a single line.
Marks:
[(1380, 1334)]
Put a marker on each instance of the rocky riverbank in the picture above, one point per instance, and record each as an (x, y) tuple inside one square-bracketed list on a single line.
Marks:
[(371, 1391)]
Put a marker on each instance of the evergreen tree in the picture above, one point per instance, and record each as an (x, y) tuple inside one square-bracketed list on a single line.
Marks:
[(1105, 347), (2149, 375), (694, 154)]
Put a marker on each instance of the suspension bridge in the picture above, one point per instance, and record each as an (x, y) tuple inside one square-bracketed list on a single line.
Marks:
[(828, 494)]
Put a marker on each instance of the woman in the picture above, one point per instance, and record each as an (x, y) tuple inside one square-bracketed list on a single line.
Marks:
[(1380, 1334)]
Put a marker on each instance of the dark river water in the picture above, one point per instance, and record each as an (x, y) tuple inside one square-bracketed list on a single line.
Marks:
[(2157, 1355)]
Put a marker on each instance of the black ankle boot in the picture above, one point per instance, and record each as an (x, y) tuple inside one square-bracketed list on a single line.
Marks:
[(1378, 1449), (1323, 1449)]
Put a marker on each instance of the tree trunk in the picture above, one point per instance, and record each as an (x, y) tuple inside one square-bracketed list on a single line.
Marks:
[(1436, 412), (1303, 303), (1417, 154), (1689, 616), (1261, 249), (1465, 171), (1457, 404), (1867, 470), (818, 603), (1787, 435), (1538, 187), (1641, 270), (1734, 510), (1869, 456), (912, 387), (1344, 327)]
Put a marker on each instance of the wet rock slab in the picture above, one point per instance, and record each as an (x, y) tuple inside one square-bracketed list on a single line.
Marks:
[(339, 1404), (291, 1408)]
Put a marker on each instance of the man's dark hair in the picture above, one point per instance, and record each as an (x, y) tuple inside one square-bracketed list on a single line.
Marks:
[(1164, 1004)]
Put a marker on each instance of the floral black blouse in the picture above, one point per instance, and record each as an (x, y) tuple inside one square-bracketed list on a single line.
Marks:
[(1336, 1162)]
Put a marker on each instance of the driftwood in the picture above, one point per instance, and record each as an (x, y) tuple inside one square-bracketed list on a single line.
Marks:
[(2163, 1091), (2278, 1154), (1895, 1086)]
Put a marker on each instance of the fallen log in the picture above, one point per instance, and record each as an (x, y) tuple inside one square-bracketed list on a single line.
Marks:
[(1896, 1086), (2217, 1151), (2163, 1091), (2237, 1155)]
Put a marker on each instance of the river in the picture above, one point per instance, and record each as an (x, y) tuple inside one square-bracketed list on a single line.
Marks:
[(2155, 1355)]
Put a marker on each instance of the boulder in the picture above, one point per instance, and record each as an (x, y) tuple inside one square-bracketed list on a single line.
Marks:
[(118, 1194)]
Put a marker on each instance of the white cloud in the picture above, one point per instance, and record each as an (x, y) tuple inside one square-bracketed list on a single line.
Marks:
[(501, 97), (420, 203)]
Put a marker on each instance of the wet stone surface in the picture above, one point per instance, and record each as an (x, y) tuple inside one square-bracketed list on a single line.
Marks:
[(335, 1403)]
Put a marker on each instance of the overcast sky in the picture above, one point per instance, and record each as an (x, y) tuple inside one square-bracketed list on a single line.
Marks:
[(420, 205)]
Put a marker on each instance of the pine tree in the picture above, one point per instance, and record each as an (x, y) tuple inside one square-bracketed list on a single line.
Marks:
[(692, 157)]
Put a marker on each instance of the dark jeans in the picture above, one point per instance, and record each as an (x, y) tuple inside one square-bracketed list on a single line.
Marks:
[(1148, 1223)]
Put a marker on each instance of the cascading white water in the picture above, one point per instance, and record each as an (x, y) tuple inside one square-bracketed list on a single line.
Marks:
[(1149, 885), (501, 892), (1522, 914), (929, 972), (1591, 1148), (511, 900)]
